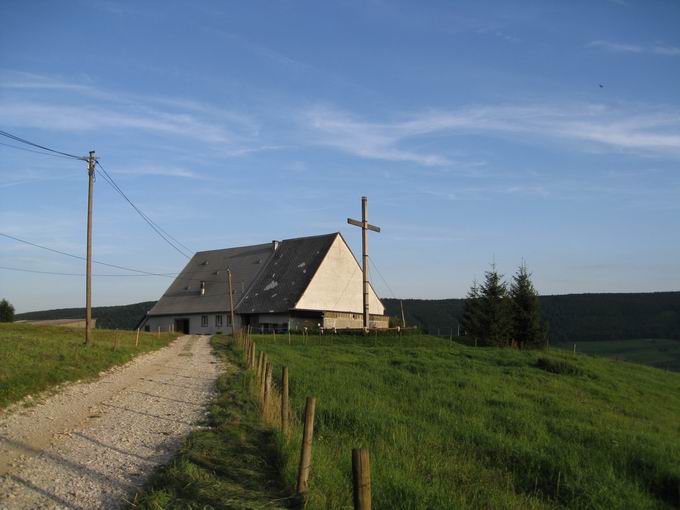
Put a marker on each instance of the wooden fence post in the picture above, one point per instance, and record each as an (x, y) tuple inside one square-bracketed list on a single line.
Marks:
[(158, 334), (267, 386), (253, 350), (137, 339), (284, 400), (263, 375), (306, 452), (259, 365), (361, 479)]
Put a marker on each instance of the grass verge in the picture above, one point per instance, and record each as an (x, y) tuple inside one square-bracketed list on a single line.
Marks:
[(234, 463), (37, 358), (452, 426)]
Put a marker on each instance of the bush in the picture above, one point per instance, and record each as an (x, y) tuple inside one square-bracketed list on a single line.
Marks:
[(6, 311)]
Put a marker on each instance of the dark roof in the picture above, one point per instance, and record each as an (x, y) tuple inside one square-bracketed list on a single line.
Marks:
[(281, 284), (184, 294), (263, 279)]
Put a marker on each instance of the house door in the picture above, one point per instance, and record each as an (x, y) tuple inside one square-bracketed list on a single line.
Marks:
[(182, 325)]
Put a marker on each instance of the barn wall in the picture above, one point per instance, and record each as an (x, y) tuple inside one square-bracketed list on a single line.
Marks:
[(166, 323), (337, 284)]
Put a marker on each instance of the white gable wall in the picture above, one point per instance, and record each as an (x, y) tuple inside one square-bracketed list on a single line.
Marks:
[(337, 284)]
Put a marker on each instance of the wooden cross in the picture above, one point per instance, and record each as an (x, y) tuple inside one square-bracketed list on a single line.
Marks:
[(365, 227)]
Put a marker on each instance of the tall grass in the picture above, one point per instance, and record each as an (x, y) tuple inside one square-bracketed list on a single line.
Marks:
[(35, 358), (451, 426)]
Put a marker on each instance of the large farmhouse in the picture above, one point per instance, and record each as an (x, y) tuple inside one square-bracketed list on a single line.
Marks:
[(309, 282)]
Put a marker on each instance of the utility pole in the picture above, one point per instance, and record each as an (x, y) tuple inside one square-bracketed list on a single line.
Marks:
[(231, 304), (91, 160), (365, 227)]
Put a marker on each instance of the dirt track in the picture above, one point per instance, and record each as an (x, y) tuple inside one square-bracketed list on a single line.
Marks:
[(93, 444)]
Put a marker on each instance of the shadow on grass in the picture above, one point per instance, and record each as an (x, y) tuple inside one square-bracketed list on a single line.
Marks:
[(234, 464)]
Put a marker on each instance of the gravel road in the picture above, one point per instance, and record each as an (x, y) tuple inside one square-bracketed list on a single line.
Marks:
[(92, 445)]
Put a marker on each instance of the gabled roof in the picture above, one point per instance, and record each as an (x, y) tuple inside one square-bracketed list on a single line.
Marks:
[(281, 284), (264, 279)]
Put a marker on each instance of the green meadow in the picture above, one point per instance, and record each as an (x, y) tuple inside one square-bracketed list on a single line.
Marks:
[(656, 352), (454, 426), (37, 358)]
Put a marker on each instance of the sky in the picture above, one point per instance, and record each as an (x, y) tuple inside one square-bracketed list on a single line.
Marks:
[(480, 131)]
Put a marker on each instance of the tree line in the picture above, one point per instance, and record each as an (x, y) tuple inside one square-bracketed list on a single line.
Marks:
[(502, 315)]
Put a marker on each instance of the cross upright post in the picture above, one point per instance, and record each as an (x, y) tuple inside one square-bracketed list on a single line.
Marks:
[(365, 227)]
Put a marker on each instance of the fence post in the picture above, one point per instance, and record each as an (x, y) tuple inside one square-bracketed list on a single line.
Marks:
[(263, 375), (361, 479), (259, 365), (574, 348), (284, 400), (158, 334), (306, 452), (137, 339), (267, 387)]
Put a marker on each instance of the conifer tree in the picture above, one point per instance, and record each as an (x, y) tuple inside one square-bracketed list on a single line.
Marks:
[(495, 310), (526, 313), (6, 311), (471, 313)]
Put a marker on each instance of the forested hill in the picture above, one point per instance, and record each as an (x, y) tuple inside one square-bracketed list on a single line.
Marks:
[(571, 317), (108, 317)]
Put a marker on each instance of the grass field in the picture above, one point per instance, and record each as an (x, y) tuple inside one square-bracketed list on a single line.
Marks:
[(233, 463), (656, 352), (36, 358), (451, 426)]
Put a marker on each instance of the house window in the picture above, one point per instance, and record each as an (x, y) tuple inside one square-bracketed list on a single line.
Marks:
[(204, 321), (229, 320), (218, 321), (147, 328)]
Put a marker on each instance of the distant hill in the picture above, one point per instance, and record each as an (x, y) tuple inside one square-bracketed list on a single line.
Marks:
[(108, 317), (571, 317)]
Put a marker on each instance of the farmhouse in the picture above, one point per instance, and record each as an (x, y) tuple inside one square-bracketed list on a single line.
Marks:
[(308, 282)]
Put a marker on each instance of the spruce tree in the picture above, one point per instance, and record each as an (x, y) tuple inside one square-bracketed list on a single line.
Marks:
[(6, 311), (495, 311), (526, 312), (471, 313)]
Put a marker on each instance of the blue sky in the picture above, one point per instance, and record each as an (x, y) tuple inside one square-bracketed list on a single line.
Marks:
[(548, 131)]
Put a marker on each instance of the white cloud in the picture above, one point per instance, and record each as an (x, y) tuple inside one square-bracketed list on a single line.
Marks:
[(654, 131), (617, 47), (79, 107)]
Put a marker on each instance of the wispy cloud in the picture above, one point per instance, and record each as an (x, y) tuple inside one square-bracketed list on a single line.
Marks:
[(649, 131), (618, 47), (79, 107), (167, 171)]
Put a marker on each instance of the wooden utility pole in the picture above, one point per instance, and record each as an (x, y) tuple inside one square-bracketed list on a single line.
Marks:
[(365, 227), (231, 305), (91, 160)]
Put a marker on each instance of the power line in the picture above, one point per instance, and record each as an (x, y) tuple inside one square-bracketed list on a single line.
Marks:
[(141, 272), (162, 233), (38, 146), (57, 273), (35, 152), (381, 277), (83, 258)]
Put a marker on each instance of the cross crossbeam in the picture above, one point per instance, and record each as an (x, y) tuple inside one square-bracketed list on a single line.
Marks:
[(365, 226)]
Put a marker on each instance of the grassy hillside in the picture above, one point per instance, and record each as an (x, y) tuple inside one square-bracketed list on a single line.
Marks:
[(656, 352), (35, 358), (451, 426), (108, 317), (571, 317)]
